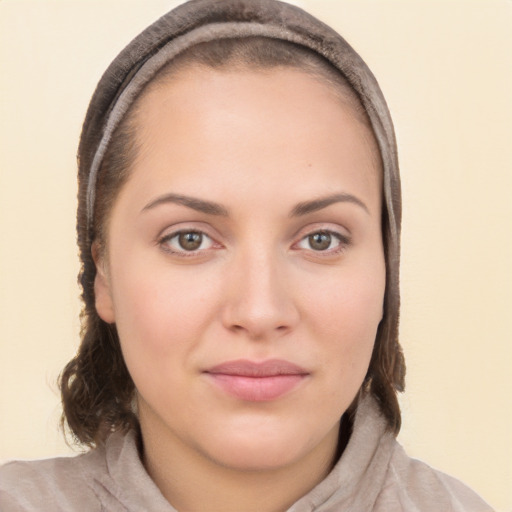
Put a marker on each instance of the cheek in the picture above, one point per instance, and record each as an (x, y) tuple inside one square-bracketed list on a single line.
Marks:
[(159, 311), (348, 312), (161, 320)]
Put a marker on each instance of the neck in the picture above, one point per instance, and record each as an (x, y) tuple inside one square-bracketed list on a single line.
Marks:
[(193, 482)]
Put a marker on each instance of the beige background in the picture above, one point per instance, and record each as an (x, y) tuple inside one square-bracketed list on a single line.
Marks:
[(446, 70)]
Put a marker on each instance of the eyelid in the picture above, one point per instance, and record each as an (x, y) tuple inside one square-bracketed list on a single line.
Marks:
[(323, 227)]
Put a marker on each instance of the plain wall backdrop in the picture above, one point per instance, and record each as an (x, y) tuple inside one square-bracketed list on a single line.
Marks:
[(446, 70)]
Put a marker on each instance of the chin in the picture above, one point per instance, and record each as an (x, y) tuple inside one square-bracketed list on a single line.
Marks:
[(270, 447), (257, 456)]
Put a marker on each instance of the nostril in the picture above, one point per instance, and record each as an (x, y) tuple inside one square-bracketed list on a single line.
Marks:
[(256, 332)]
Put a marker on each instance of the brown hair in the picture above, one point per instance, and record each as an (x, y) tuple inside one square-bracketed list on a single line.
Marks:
[(97, 390)]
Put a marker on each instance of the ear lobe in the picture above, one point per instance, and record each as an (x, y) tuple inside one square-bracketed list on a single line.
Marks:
[(102, 293)]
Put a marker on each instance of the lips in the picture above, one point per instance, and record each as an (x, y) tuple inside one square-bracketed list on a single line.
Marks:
[(257, 381)]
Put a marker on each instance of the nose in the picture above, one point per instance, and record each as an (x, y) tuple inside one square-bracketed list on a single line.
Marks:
[(260, 302)]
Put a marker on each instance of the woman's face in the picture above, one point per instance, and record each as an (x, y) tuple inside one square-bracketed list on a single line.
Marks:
[(244, 267)]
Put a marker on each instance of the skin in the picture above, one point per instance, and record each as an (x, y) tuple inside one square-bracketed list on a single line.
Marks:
[(260, 145)]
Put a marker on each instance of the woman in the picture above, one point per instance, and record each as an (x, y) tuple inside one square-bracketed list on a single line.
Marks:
[(238, 224)]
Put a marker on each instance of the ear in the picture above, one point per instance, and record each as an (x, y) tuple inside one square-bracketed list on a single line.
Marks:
[(102, 289)]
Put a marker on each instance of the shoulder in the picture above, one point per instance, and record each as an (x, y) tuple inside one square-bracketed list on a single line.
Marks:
[(110, 477), (412, 485), (64, 483)]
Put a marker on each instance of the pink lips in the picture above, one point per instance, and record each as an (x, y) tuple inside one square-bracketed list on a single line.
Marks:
[(257, 381)]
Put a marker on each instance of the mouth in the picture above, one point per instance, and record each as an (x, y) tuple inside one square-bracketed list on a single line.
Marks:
[(257, 381)]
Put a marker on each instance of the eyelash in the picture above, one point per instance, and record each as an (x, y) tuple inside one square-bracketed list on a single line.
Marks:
[(165, 243)]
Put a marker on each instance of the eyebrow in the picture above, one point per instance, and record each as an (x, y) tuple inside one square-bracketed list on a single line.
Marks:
[(199, 205), (323, 202), (211, 208)]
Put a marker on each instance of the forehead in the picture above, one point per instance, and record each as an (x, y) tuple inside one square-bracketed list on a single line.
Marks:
[(202, 127), (270, 96), (199, 84)]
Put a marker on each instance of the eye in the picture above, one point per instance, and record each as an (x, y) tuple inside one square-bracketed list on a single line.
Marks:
[(323, 241), (187, 241)]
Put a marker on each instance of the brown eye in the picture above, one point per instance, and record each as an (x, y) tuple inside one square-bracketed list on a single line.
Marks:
[(328, 242), (190, 241), (320, 241), (183, 242)]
